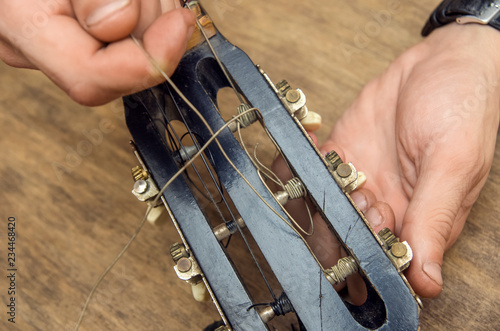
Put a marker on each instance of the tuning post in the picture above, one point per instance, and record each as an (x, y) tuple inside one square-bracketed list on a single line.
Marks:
[(249, 117), (344, 268), (293, 189), (280, 307), (224, 230), (185, 153)]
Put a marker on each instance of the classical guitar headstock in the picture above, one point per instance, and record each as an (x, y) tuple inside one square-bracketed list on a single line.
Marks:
[(233, 197)]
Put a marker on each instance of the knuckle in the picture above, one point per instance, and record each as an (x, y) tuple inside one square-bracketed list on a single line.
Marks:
[(88, 94), (442, 222)]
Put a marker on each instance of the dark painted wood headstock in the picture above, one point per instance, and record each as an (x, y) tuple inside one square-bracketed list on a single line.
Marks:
[(151, 116)]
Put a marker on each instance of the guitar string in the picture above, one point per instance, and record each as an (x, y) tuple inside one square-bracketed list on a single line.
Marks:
[(277, 181), (188, 176), (226, 74), (150, 207), (210, 196), (202, 30), (218, 187), (196, 143), (205, 123)]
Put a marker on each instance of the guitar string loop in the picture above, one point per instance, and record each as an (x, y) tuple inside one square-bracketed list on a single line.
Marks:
[(338, 273), (248, 118), (282, 305)]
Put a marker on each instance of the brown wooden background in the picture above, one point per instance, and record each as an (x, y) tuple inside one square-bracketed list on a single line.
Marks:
[(71, 225)]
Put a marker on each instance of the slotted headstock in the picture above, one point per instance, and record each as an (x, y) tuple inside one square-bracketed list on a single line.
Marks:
[(234, 198)]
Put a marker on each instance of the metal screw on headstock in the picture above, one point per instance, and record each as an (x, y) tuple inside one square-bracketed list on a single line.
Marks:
[(344, 170), (140, 186), (399, 249), (292, 96), (184, 264)]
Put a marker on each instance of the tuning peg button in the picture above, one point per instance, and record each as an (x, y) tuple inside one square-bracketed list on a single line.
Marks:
[(312, 121)]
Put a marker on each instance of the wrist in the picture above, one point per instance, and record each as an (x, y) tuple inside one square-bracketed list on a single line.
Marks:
[(476, 45), (485, 12)]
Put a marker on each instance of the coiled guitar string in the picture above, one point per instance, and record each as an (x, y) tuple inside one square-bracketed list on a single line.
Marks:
[(262, 170)]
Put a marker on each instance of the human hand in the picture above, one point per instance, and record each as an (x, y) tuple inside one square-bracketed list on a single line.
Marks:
[(424, 133), (83, 45)]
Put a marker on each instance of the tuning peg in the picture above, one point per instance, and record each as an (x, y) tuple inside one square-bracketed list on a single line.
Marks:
[(144, 187), (224, 230), (338, 273), (345, 174), (187, 269), (157, 215), (312, 121), (400, 253)]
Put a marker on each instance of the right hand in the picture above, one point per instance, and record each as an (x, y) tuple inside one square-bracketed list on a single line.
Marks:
[(84, 47)]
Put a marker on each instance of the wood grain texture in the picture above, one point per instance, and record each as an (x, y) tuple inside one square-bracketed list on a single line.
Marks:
[(65, 176)]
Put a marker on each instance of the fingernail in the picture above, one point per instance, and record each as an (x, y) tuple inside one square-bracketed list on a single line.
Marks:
[(360, 200), (374, 217), (433, 270), (105, 11)]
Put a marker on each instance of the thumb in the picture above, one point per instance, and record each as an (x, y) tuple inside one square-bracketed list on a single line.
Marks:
[(111, 20), (432, 223)]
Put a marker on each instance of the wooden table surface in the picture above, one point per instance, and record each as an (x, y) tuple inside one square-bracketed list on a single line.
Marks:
[(65, 177)]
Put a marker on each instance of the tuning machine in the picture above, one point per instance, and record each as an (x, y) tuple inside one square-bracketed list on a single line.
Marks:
[(345, 174), (187, 269), (294, 101), (144, 187), (146, 190), (399, 253)]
